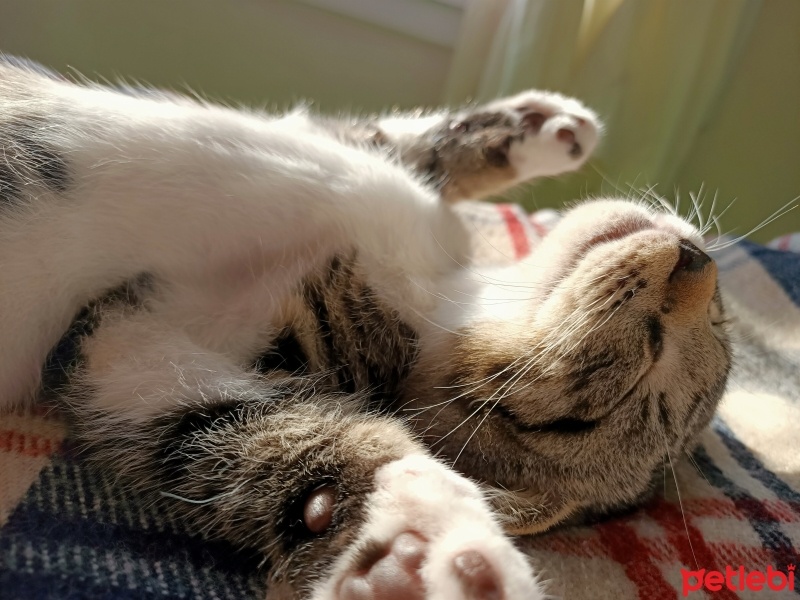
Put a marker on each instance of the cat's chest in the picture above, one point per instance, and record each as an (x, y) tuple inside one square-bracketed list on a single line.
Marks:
[(316, 314), (337, 325)]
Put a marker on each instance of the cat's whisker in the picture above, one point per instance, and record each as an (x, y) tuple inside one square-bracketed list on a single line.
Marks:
[(693, 208), (533, 361), (717, 221), (569, 325), (644, 197), (477, 427), (697, 467), (577, 343), (557, 333), (781, 212), (711, 219), (475, 387), (509, 388), (495, 375), (440, 326), (629, 193), (697, 202), (484, 301), (457, 427), (680, 504), (507, 384)]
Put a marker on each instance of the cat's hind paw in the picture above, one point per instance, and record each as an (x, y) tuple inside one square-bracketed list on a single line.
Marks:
[(429, 535)]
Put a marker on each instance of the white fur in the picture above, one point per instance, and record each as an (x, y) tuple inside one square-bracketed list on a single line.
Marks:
[(232, 209), (543, 155), (419, 494), (535, 156), (249, 189), (186, 191)]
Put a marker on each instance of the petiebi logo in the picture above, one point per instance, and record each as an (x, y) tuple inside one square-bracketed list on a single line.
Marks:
[(737, 580)]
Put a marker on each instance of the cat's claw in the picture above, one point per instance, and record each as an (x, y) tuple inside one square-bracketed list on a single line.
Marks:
[(429, 536)]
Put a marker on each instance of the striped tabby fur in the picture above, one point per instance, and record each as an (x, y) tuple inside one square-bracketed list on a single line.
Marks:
[(270, 325)]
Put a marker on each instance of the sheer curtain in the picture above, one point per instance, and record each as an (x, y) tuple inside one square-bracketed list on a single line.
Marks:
[(653, 69)]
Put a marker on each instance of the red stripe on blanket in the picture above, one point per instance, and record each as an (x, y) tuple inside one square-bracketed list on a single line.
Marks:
[(694, 555), (27, 444), (735, 554), (569, 545), (516, 230), (625, 547)]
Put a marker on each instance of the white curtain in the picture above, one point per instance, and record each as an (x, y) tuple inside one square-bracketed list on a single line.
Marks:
[(653, 69)]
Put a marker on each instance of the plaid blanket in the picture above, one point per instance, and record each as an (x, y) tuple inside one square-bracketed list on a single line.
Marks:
[(68, 532)]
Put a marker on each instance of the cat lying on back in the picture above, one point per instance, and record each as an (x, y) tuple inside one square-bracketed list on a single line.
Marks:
[(270, 324)]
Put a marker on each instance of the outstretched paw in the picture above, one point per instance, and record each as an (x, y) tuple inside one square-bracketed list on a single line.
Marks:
[(484, 151), (429, 535), (559, 133)]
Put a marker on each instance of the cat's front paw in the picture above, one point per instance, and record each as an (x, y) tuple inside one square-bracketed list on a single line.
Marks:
[(484, 151), (559, 133), (429, 535)]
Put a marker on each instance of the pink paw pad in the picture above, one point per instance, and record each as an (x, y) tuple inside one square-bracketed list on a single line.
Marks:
[(478, 579), (393, 573), (389, 575)]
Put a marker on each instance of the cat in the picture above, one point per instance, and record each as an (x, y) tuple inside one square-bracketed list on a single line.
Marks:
[(270, 325)]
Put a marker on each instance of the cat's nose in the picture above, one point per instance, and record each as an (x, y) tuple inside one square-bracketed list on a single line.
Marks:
[(693, 280), (690, 260)]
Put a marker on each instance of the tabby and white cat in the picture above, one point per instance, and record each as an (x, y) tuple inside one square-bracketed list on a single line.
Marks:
[(278, 326)]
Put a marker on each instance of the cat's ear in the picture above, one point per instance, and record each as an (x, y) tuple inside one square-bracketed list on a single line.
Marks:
[(528, 512)]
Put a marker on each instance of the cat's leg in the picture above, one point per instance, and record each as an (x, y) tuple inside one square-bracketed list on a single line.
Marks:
[(97, 187), (485, 150), (343, 505)]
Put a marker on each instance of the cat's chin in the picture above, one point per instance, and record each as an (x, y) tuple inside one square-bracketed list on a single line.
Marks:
[(600, 222)]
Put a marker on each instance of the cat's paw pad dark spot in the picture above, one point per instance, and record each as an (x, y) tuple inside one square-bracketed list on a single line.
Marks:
[(553, 124), (393, 573), (533, 120), (477, 576), (568, 137), (429, 536), (318, 509)]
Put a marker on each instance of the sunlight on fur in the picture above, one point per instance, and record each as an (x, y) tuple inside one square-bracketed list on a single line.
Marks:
[(273, 327)]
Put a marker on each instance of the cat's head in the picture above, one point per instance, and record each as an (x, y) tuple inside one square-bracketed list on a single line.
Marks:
[(619, 362)]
